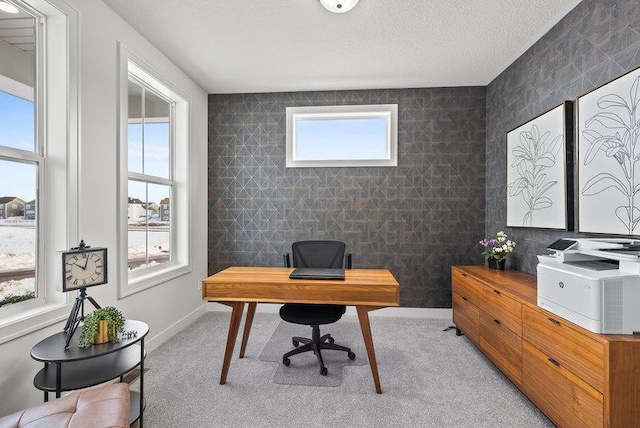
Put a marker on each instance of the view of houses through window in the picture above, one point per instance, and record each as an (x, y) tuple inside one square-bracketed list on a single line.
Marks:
[(150, 178), (20, 160), (19, 163)]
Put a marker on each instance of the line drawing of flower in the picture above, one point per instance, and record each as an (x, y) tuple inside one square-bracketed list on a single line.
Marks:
[(531, 158), (620, 144)]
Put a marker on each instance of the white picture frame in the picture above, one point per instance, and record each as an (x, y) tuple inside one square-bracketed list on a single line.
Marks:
[(609, 157), (539, 171)]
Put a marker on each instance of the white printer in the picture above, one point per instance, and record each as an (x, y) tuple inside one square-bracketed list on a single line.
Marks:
[(594, 283)]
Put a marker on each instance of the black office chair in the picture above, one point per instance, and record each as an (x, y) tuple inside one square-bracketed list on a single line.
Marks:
[(315, 254)]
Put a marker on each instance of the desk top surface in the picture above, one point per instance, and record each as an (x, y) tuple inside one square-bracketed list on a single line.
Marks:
[(370, 287)]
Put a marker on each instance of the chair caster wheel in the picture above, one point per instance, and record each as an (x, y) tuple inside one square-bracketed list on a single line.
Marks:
[(296, 343), (286, 361), (324, 371), (351, 356), (331, 340)]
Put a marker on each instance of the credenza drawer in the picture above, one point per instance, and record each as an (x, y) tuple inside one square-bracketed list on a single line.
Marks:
[(503, 308), (573, 350), (502, 345), (467, 287), (565, 398), (465, 316)]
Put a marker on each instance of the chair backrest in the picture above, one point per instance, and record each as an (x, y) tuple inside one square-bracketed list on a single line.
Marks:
[(319, 254)]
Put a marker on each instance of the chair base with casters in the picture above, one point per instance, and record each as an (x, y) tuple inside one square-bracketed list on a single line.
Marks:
[(324, 314)]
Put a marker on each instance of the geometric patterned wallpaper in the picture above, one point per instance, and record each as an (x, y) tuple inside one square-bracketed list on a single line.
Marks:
[(416, 219), (594, 43)]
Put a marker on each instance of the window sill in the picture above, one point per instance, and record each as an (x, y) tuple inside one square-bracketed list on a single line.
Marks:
[(154, 278), (18, 325)]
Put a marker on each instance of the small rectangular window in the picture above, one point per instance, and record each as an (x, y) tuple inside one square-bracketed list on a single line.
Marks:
[(328, 136)]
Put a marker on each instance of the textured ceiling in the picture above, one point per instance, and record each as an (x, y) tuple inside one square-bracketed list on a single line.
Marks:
[(246, 46)]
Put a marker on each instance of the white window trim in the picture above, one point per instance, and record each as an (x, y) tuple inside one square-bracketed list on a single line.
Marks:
[(57, 100), (180, 263), (389, 112), (15, 88)]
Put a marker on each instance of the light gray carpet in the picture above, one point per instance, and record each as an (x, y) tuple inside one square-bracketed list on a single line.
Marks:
[(429, 378), (304, 368)]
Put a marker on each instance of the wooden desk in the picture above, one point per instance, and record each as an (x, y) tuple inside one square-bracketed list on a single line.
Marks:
[(366, 289)]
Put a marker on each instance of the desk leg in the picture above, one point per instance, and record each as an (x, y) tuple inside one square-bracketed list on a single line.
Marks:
[(363, 317), (234, 325), (251, 311)]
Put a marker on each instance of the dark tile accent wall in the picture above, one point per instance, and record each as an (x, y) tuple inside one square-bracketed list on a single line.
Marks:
[(416, 219), (594, 43)]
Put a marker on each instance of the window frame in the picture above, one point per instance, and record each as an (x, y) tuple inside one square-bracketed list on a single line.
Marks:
[(389, 112), (56, 96), (180, 261)]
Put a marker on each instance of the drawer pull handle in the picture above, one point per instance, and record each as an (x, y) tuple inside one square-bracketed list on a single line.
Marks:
[(554, 362), (496, 291), (464, 274), (497, 321), (464, 298), (554, 321)]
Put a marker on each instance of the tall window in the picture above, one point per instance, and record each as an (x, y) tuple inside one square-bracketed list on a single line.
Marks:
[(21, 158), (38, 161), (153, 163), (150, 180)]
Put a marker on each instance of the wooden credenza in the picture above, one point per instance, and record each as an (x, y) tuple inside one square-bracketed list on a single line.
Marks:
[(576, 377)]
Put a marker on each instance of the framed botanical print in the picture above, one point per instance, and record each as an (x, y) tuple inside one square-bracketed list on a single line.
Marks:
[(539, 171), (609, 157)]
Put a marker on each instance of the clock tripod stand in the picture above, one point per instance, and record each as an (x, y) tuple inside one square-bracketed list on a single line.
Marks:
[(77, 314)]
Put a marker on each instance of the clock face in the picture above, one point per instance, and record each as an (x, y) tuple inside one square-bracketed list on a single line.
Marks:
[(84, 268)]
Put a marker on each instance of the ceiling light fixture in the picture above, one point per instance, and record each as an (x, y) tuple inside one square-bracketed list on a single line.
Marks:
[(338, 6), (8, 7)]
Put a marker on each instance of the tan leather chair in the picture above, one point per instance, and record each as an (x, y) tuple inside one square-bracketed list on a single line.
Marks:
[(104, 407)]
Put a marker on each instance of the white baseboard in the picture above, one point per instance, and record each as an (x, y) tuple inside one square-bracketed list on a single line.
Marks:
[(174, 328), (273, 308)]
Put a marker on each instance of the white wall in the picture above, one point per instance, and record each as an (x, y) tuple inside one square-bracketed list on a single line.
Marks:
[(166, 307)]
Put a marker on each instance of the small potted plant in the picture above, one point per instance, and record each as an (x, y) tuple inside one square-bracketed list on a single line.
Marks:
[(496, 250), (101, 326)]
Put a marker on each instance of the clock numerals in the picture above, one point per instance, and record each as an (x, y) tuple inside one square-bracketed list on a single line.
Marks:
[(84, 268)]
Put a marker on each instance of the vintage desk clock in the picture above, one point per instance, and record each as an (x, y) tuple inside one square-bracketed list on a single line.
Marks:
[(82, 267)]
